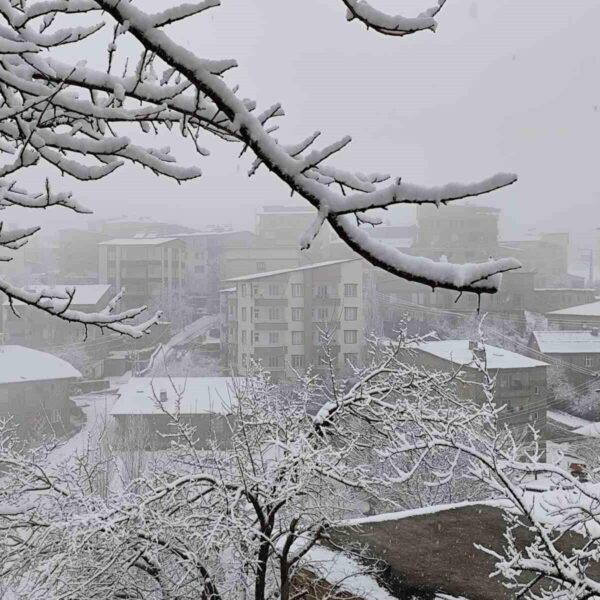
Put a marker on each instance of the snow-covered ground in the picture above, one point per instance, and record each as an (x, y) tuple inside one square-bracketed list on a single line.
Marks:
[(566, 419), (96, 407)]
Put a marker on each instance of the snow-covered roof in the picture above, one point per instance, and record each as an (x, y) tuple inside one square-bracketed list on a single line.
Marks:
[(567, 342), (291, 270), (196, 395), (145, 241), (19, 364), (592, 309), (458, 352), (227, 290), (85, 294)]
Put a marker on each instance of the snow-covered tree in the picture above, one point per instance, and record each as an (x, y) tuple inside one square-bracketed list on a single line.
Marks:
[(77, 120)]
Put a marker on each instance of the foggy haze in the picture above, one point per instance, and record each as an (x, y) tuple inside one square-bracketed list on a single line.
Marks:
[(501, 86)]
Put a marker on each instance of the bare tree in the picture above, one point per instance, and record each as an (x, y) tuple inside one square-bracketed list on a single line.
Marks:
[(77, 120)]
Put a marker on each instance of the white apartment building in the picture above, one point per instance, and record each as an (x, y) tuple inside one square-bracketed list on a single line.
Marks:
[(292, 318)]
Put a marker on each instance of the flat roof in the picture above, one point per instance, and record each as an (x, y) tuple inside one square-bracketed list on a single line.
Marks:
[(19, 365), (196, 395), (292, 270), (85, 294), (458, 352), (591, 309), (567, 342), (145, 241)]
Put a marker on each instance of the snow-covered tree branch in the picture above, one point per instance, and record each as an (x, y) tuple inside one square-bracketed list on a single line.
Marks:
[(77, 120)]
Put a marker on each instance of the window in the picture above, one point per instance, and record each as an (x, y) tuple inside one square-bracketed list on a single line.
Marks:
[(351, 290), (351, 357), (260, 266), (243, 290), (297, 290), (243, 336), (256, 314), (589, 361), (321, 291), (274, 361), (297, 361), (350, 336), (274, 290), (199, 269), (274, 314), (322, 314), (244, 313), (350, 313), (297, 314), (244, 360), (273, 337), (256, 337), (297, 337), (536, 390)]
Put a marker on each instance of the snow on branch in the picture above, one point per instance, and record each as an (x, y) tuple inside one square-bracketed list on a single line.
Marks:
[(70, 116), (394, 25)]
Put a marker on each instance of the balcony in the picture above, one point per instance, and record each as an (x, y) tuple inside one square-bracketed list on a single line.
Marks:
[(270, 326), (260, 301), (326, 300)]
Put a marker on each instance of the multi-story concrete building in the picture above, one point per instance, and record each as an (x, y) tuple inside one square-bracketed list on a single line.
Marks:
[(292, 318), (520, 380), (152, 270), (577, 351)]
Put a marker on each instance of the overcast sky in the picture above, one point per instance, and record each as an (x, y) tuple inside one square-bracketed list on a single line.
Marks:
[(504, 85)]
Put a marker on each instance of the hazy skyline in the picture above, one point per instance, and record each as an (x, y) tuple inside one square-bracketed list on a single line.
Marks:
[(501, 86)]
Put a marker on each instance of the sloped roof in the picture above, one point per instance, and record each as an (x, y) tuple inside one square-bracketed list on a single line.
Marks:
[(85, 294), (197, 395), (291, 270), (19, 365), (567, 342), (458, 352), (592, 309)]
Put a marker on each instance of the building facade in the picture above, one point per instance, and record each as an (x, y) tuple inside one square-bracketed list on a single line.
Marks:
[(521, 384), (152, 270), (291, 319)]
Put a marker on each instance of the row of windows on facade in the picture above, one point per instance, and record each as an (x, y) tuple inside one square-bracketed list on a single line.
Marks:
[(144, 253), (350, 337), (297, 290), (298, 361), (320, 314)]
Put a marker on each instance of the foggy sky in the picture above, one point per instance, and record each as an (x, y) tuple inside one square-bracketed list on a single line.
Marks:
[(504, 85)]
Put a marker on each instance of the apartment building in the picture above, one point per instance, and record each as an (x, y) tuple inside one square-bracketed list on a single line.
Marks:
[(520, 381), (152, 270), (292, 318)]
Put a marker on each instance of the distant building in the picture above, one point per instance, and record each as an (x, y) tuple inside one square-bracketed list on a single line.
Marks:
[(205, 403), (32, 327), (280, 318), (548, 257), (152, 270), (583, 316), (579, 350), (207, 253), (520, 380), (550, 299), (461, 233), (78, 255), (34, 390), (126, 228)]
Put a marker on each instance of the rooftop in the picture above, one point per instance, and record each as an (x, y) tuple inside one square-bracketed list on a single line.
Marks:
[(592, 309), (197, 395), (458, 352), (567, 342), (141, 241), (321, 265), (85, 294), (19, 364)]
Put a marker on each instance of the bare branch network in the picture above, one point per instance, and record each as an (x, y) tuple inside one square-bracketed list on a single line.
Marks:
[(71, 116)]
